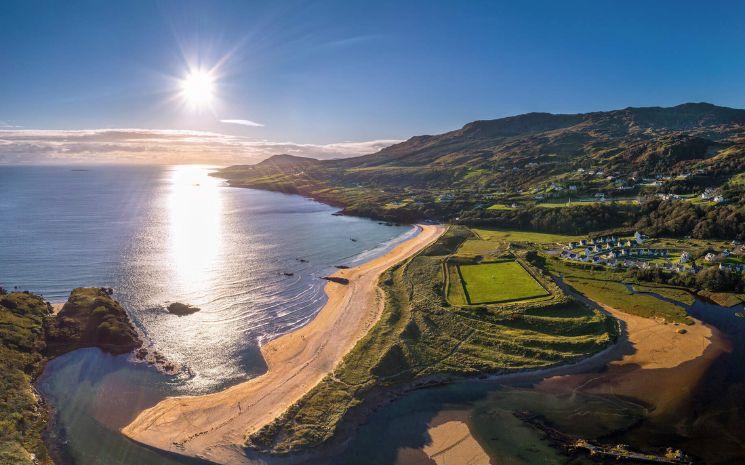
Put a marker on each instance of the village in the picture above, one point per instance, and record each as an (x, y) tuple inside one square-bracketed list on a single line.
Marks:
[(640, 251)]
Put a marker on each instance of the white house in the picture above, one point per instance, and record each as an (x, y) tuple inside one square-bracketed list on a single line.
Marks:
[(710, 257), (685, 257), (639, 237)]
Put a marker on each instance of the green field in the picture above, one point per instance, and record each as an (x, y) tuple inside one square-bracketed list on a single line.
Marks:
[(607, 287), (473, 247), (499, 282), (500, 206), (508, 235), (580, 203)]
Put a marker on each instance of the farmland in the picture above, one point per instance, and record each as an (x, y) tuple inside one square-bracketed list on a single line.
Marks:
[(495, 282), (508, 235)]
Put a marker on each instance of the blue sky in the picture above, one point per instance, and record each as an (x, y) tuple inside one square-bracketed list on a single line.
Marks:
[(326, 72)]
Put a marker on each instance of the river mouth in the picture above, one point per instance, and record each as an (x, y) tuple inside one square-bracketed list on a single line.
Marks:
[(706, 423)]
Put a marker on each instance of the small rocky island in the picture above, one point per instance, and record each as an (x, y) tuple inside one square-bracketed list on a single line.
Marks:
[(177, 308)]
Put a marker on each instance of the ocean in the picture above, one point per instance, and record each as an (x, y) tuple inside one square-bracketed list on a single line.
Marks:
[(250, 260)]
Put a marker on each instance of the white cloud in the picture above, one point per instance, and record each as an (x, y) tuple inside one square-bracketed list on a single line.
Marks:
[(159, 146), (243, 122)]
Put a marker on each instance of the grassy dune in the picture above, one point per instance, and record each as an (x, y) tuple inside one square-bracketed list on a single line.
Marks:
[(420, 336)]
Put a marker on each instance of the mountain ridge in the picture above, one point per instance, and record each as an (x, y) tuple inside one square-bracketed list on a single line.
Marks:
[(524, 159)]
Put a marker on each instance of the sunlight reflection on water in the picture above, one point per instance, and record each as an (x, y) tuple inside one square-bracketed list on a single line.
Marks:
[(251, 260), (195, 222)]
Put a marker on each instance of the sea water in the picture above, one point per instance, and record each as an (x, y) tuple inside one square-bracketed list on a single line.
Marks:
[(250, 260)]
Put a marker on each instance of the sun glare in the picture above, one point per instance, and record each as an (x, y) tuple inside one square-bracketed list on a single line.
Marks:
[(197, 87)]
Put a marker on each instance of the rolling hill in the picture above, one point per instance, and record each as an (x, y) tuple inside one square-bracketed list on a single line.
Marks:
[(524, 160)]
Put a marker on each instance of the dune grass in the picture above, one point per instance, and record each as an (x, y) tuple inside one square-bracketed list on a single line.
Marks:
[(498, 282)]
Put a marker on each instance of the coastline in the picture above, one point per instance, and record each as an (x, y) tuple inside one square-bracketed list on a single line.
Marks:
[(213, 426)]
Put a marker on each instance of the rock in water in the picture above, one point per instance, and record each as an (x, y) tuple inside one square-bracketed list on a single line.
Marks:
[(177, 308)]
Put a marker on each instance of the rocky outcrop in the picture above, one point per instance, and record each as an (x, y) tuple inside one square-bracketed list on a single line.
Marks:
[(177, 308), (91, 318)]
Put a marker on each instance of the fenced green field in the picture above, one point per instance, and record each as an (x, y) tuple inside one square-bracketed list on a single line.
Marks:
[(502, 281)]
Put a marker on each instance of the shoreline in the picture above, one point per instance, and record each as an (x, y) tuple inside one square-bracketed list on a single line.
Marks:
[(650, 364), (214, 426)]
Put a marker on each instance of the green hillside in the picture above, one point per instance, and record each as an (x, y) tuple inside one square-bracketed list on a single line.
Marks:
[(618, 166)]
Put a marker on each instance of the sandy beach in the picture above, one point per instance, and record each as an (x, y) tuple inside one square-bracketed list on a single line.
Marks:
[(652, 363), (450, 443), (659, 366), (214, 426)]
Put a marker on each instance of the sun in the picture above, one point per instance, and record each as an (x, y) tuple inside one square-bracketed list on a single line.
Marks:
[(198, 87)]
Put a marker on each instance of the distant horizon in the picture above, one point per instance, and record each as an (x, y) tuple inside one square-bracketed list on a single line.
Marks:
[(331, 79), (86, 146)]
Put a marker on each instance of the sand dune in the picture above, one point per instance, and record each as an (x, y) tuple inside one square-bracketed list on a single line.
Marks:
[(214, 426)]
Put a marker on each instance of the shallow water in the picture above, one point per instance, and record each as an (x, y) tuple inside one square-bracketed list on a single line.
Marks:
[(710, 430), (251, 260)]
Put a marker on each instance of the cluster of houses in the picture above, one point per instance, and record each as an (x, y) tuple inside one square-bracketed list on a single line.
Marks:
[(714, 258), (614, 251), (630, 253), (710, 194)]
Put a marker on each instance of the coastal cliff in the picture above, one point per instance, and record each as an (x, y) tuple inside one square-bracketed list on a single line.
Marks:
[(31, 335)]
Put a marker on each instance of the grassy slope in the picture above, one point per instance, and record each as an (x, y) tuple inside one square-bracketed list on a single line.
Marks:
[(420, 336), (608, 288), (501, 235), (499, 282), (678, 294), (22, 418)]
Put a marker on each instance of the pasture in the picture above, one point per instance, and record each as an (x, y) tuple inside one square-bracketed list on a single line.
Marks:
[(503, 281)]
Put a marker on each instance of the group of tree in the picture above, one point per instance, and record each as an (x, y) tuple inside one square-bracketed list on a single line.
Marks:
[(655, 218), (709, 279)]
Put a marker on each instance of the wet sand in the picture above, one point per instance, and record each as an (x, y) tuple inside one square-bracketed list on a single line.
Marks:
[(451, 443), (214, 426), (660, 367)]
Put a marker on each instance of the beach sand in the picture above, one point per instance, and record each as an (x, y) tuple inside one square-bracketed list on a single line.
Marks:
[(214, 426), (450, 443), (659, 366)]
